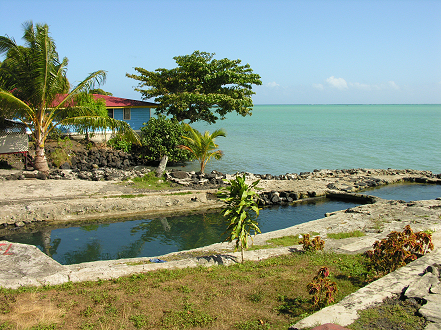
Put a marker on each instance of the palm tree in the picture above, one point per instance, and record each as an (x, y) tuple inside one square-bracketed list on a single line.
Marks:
[(35, 78), (201, 146)]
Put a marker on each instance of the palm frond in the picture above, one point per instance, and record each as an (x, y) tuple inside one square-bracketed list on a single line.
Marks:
[(104, 123)]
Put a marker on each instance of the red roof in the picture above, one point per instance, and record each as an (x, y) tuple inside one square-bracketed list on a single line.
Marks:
[(114, 102)]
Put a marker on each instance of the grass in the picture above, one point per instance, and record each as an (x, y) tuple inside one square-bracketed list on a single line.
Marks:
[(150, 182), (392, 313), (125, 196), (285, 240), (270, 294), (355, 233)]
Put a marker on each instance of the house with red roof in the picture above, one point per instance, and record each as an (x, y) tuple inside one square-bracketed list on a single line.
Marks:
[(134, 112)]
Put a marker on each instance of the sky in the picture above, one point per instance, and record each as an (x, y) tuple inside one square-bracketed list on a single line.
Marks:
[(306, 51)]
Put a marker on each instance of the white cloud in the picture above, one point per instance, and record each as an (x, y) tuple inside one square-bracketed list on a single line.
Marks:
[(364, 87), (339, 83), (318, 86), (272, 84), (393, 85)]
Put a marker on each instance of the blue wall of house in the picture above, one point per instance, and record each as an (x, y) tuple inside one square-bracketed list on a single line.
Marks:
[(138, 117)]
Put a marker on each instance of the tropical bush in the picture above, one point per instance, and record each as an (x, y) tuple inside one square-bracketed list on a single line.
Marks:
[(398, 249), (160, 136), (241, 211), (322, 289), (313, 245), (120, 142), (202, 146)]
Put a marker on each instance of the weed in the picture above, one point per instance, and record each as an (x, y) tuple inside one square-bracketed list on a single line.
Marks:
[(44, 327), (256, 297), (355, 233), (120, 142), (151, 182), (185, 289), (87, 326), (139, 321), (5, 326), (378, 225), (188, 317), (88, 312), (252, 325), (63, 153)]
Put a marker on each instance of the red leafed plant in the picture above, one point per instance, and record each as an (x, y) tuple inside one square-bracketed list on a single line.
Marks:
[(398, 249), (310, 246), (322, 288)]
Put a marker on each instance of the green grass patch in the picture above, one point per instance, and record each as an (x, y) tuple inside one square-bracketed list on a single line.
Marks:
[(355, 233), (125, 196), (150, 182), (269, 293), (284, 241), (391, 314), (182, 193)]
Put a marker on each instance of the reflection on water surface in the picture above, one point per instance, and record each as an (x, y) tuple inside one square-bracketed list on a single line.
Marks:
[(158, 236)]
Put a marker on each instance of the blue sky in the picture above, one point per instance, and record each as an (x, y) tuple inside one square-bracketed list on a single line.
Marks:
[(306, 52)]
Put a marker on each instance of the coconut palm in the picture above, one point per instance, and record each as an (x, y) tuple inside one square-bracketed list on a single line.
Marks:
[(201, 146), (33, 80)]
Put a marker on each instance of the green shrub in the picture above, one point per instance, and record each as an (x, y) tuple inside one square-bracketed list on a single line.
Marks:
[(120, 142), (160, 136), (63, 153), (313, 245)]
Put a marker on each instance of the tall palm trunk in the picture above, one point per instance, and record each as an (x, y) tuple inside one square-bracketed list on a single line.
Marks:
[(40, 162)]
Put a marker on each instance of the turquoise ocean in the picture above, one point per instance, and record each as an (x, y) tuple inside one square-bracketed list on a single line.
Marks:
[(280, 139)]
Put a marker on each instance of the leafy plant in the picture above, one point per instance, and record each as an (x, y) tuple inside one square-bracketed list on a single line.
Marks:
[(202, 147), (311, 246), (160, 136), (200, 87), (120, 142), (40, 92), (322, 288), (151, 182), (63, 153), (241, 210), (398, 249)]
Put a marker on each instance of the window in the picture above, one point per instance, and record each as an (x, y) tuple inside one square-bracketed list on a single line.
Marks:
[(110, 113), (127, 114)]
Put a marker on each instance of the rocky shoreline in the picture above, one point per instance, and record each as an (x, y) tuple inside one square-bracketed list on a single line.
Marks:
[(65, 195)]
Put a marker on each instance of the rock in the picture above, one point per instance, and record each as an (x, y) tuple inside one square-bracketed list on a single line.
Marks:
[(41, 176), (65, 166), (431, 310), (420, 288), (179, 175)]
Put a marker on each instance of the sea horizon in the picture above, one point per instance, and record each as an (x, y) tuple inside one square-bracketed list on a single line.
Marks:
[(292, 138)]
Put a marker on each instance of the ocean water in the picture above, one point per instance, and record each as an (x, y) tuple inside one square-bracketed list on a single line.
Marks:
[(279, 139)]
